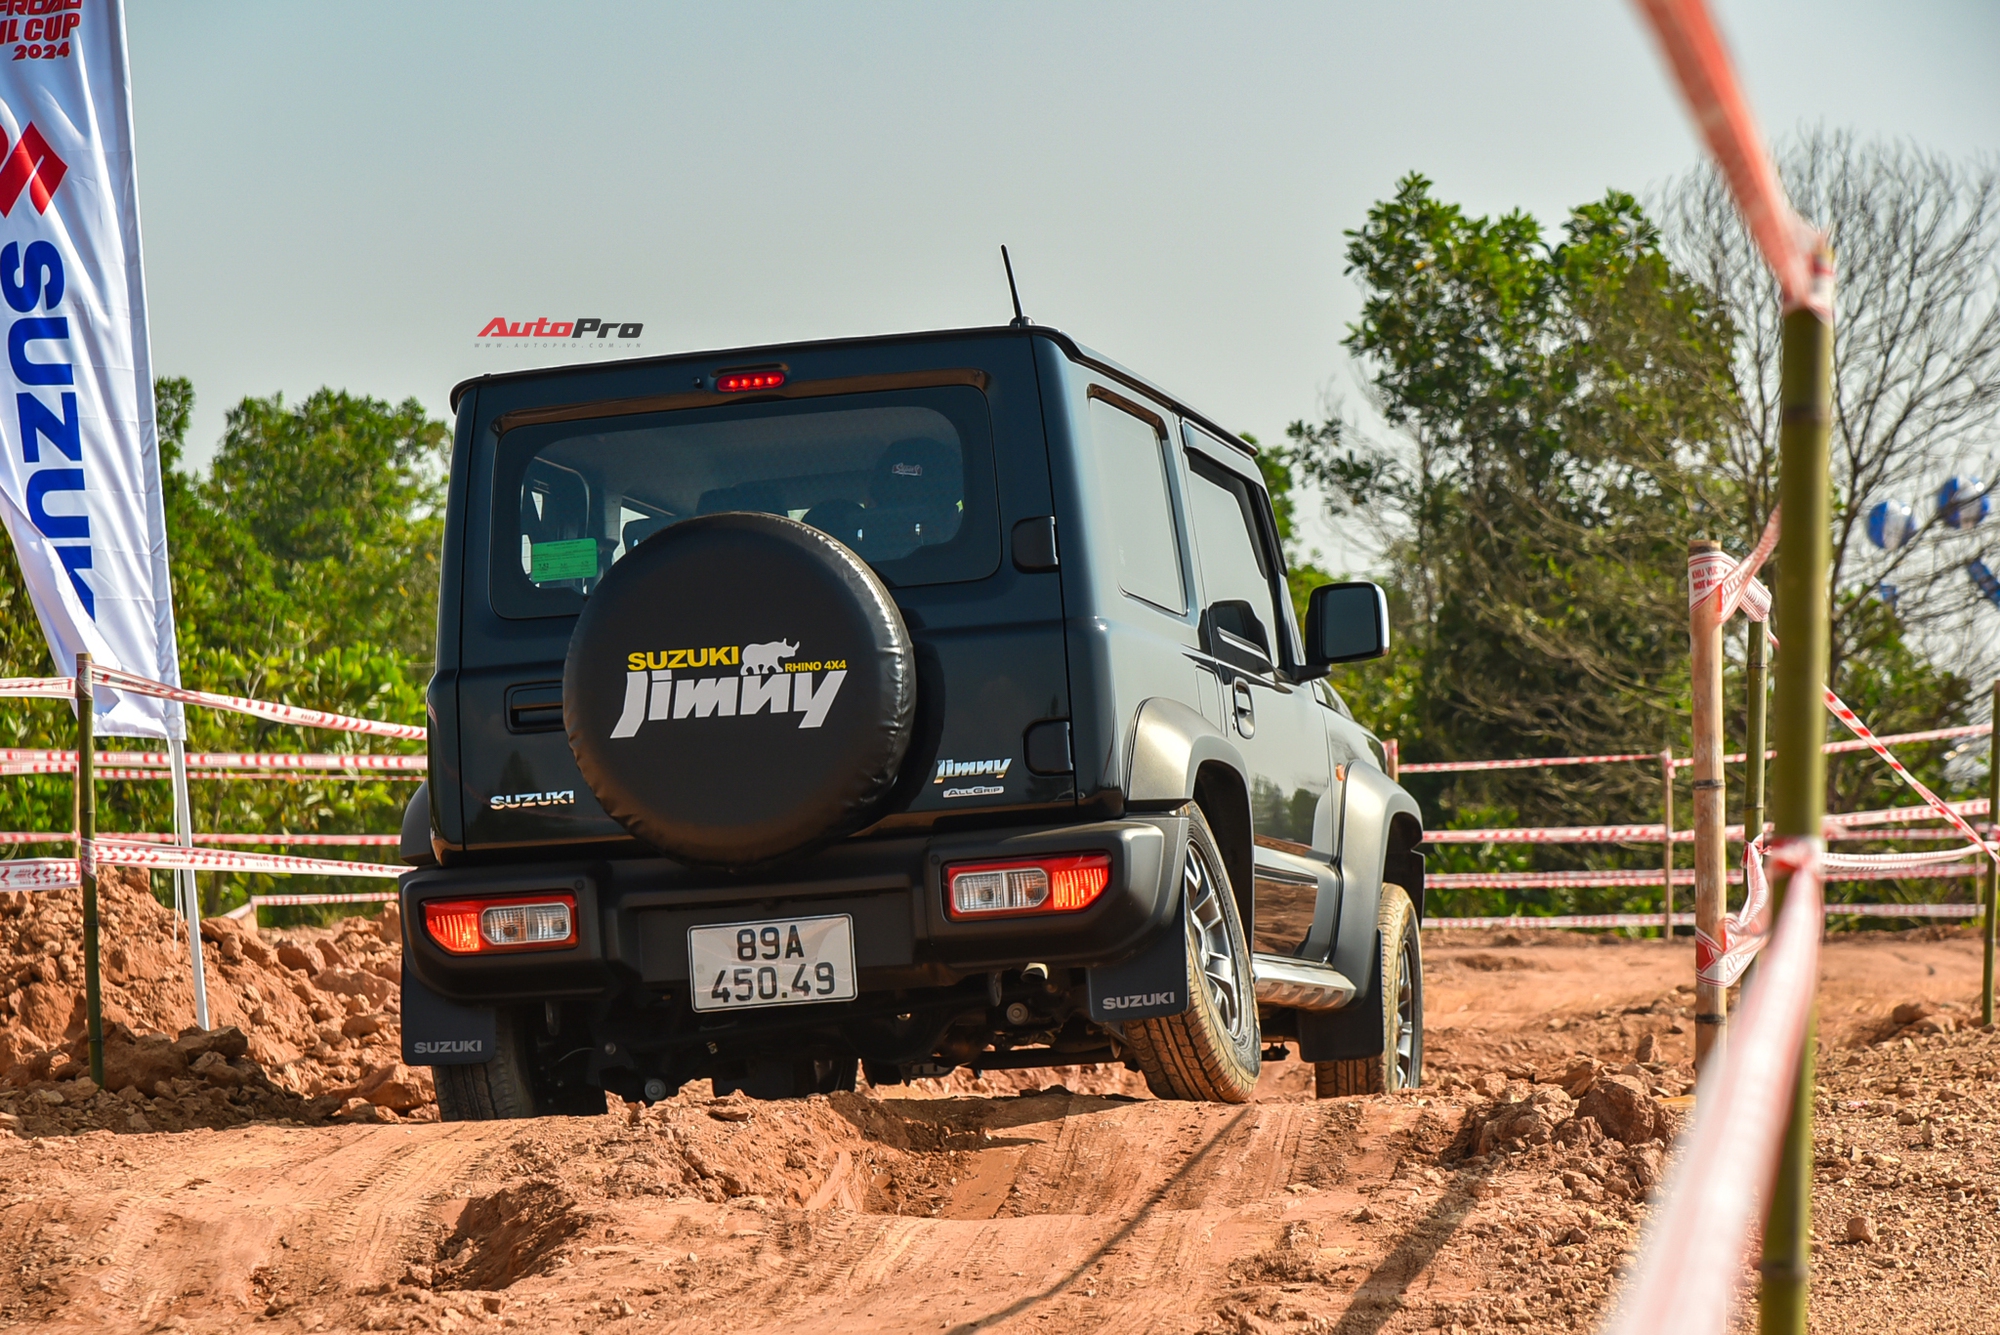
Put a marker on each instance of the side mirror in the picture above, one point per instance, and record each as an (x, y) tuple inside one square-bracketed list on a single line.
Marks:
[(1346, 623), (1231, 631)]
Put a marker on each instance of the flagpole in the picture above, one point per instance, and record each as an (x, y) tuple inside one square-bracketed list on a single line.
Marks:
[(185, 890)]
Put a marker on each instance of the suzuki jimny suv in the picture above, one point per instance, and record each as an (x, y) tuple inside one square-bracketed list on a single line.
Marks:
[(896, 703)]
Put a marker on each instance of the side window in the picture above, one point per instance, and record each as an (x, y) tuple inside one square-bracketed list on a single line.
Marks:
[(1132, 464), (1236, 575)]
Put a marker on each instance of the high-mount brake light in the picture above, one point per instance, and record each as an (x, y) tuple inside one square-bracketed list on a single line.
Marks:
[(738, 382), (1061, 884), (488, 926)]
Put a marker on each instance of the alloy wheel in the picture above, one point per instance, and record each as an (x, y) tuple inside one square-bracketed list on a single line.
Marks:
[(1215, 957)]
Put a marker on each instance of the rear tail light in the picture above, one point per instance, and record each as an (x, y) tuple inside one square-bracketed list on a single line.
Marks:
[(1060, 884), (486, 926), (757, 377)]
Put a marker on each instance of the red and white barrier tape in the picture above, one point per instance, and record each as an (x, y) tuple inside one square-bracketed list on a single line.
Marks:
[(38, 688), (1842, 711), (118, 852), (1467, 766), (1552, 834), (1641, 876), (1903, 815), (1599, 920), (1721, 962), (1650, 834), (8, 837), (1929, 735), (1682, 762), (59, 688), (225, 759), (38, 874), (363, 897), (1691, 1258), (120, 680), (1734, 582), (108, 773)]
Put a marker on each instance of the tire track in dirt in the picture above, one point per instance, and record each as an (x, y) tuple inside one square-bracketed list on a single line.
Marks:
[(265, 1201), (1044, 1213)]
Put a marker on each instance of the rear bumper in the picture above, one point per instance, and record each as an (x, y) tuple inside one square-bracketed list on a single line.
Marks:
[(634, 914)]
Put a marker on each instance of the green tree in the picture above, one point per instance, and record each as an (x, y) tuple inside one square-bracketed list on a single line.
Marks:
[(304, 570), (1558, 407)]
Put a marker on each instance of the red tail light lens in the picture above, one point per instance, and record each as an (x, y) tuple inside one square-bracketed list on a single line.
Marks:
[(1061, 884), (488, 926), (737, 382)]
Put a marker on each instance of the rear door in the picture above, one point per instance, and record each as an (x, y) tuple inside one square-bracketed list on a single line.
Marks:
[(923, 456)]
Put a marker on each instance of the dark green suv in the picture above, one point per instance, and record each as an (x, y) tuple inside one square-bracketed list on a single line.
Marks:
[(898, 704)]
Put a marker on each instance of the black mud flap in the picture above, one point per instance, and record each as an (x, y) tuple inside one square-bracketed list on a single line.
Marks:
[(440, 1032), (1150, 985)]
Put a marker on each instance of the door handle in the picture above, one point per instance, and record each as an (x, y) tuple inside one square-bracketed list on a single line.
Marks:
[(1245, 708)]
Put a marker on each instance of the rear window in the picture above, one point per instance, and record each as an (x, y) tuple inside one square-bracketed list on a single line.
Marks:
[(904, 477)]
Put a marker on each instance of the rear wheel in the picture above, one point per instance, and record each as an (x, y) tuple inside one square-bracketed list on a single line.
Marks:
[(1212, 1050), (494, 1090), (1400, 997)]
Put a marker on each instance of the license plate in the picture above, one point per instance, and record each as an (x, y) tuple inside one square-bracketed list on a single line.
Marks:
[(777, 962)]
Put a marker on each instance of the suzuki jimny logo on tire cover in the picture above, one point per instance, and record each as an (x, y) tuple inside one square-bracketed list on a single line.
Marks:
[(780, 721)]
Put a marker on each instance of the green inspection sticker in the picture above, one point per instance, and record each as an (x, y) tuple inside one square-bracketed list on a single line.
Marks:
[(575, 558)]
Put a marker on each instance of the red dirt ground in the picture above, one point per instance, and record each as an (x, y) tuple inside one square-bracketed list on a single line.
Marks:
[(1084, 1206)]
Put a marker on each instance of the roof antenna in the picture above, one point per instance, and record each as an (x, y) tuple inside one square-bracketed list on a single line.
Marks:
[(1019, 321)]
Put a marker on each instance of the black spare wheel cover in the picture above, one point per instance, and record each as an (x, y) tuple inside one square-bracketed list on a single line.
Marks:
[(738, 688)]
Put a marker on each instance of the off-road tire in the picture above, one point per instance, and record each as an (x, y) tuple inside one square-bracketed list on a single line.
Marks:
[(495, 1090), (1213, 1050), (1399, 1000)]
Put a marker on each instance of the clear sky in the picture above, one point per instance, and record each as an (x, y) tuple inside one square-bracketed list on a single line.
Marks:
[(344, 194)]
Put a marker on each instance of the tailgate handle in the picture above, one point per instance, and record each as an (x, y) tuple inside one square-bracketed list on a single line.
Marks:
[(535, 707)]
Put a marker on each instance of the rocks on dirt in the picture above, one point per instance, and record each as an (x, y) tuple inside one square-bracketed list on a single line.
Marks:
[(1616, 1107), (1861, 1228), (299, 1014), (1626, 1109)]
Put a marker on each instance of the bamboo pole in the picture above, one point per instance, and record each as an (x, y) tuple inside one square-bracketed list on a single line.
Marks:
[(86, 864), (1711, 850), (1798, 788), (1992, 868), (1754, 679), (1667, 842)]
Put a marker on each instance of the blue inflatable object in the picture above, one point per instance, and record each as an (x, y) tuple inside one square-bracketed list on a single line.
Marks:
[(1983, 577), (1891, 524), (1963, 502)]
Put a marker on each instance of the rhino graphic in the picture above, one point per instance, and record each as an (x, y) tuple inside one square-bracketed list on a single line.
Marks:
[(759, 659)]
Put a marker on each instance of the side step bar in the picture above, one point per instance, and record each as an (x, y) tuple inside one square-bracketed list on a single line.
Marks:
[(1300, 984)]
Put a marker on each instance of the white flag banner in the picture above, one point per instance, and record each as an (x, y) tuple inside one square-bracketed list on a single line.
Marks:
[(80, 483)]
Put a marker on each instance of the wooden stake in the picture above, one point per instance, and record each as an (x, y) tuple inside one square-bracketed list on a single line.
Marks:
[(1992, 869), (1667, 842), (1755, 680), (1711, 853), (86, 864)]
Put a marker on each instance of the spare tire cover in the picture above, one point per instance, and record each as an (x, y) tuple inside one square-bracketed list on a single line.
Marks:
[(738, 688)]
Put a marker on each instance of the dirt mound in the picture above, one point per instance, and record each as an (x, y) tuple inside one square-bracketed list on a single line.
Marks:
[(306, 1023)]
